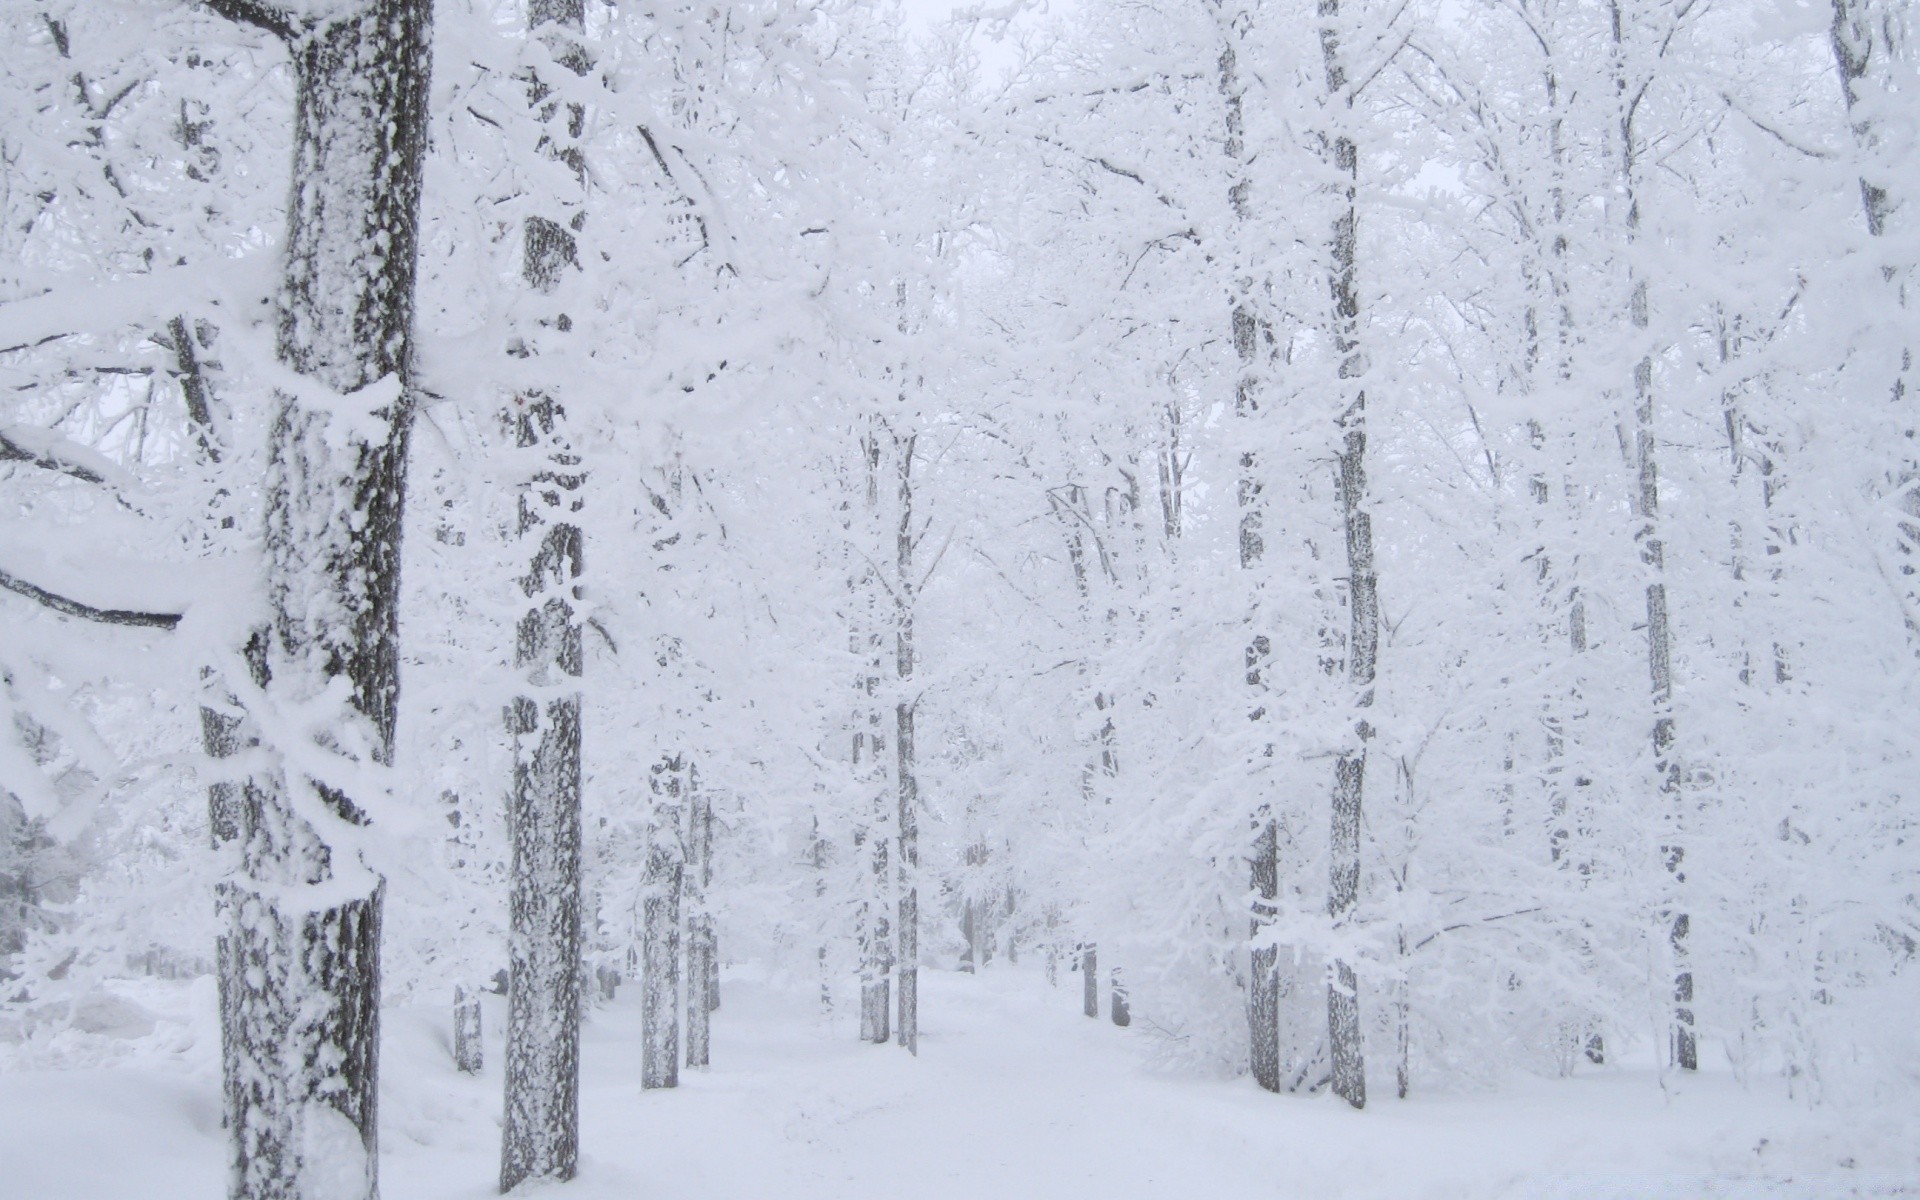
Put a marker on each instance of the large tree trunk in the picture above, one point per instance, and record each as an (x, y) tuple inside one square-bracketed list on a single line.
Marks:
[(540, 1135), (299, 954), (1363, 638)]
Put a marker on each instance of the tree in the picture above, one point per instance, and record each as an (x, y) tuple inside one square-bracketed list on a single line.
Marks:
[(540, 1137), (300, 955)]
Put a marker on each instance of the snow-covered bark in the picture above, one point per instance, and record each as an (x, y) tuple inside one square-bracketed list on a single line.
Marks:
[(703, 990), (1872, 48), (1251, 345), (1344, 1031), (300, 951), (660, 929), (906, 778), (539, 1138), (1652, 542), (871, 615), (540, 1134)]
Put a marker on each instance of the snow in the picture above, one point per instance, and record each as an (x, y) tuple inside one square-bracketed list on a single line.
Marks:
[(1014, 1095)]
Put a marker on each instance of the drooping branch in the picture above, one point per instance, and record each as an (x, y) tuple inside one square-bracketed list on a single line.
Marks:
[(87, 612)]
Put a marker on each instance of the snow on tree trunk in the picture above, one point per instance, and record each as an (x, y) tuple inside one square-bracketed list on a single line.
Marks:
[(1344, 1032), (299, 954), (468, 1056), (660, 931), (907, 932), (1263, 998), (1867, 40), (1090, 980), (1249, 332), (873, 925), (1118, 1008), (702, 983), (540, 1135), (1646, 512)]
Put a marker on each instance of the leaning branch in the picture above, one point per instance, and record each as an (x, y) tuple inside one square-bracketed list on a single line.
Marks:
[(87, 612)]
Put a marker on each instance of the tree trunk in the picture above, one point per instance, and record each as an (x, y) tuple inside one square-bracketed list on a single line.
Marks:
[(1646, 509), (907, 960), (660, 935), (869, 771), (540, 1135), (468, 1056), (701, 966), (1090, 980), (1866, 38), (1263, 999), (1118, 1008), (1249, 333), (299, 955), (1343, 1001)]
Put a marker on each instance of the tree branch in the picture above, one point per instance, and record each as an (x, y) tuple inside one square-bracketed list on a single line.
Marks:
[(273, 19), (12, 451), (86, 612)]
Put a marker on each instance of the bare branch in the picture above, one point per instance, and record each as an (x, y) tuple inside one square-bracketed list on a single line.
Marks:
[(87, 612), (12, 451), (272, 18)]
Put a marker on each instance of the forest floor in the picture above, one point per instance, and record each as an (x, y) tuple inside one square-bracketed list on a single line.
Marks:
[(1015, 1095)]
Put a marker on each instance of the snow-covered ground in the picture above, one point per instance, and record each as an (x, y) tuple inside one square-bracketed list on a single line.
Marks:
[(1014, 1095)]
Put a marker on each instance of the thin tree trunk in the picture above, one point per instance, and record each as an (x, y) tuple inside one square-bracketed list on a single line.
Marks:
[(1090, 980), (660, 932), (1343, 1001), (1646, 510), (869, 749), (700, 948), (468, 1056), (907, 960), (1263, 1009), (1263, 1004)]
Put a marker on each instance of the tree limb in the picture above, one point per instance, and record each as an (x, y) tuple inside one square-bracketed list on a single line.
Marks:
[(86, 612), (272, 18), (12, 451)]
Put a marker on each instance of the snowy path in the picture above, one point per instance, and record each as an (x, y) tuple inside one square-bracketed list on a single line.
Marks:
[(1014, 1096)]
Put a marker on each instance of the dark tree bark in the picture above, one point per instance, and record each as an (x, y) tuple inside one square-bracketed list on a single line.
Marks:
[(300, 951)]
